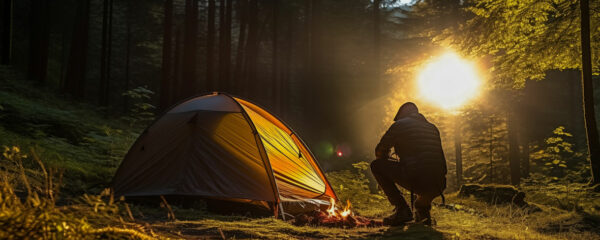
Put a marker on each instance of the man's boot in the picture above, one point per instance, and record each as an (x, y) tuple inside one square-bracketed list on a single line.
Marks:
[(401, 216), (423, 215)]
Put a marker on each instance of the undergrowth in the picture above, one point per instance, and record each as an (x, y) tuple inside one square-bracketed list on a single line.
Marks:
[(67, 135), (31, 212)]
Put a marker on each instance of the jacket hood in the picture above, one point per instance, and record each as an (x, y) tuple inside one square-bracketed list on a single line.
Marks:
[(405, 110)]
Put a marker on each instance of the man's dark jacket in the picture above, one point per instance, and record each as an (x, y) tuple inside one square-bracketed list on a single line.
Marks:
[(417, 142)]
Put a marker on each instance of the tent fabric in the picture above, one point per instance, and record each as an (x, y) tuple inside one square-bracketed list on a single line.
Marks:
[(211, 154), (302, 151), (221, 147), (215, 102), (296, 177)]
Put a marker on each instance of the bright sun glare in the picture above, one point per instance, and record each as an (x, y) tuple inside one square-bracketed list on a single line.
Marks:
[(448, 81)]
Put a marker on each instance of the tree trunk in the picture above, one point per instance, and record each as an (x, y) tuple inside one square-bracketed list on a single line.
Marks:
[(308, 37), (313, 88), (252, 45), (220, 82), (166, 79), (287, 69), (128, 54), (525, 156), (6, 34), (458, 151), (239, 59), (178, 82), (75, 74), (39, 38), (276, 82), (103, 84), (588, 93), (513, 149), (225, 11), (210, 47), (189, 53), (491, 149), (377, 45), (105, 53)]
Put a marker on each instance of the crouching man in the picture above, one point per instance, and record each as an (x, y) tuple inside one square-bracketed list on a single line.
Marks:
[(421, 167)]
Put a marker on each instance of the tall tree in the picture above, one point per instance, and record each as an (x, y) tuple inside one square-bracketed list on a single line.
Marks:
[(525, 150), (166, 77), (593, 139), (287, 65), (491, 148), (6, 41), (252, 45), (513, 150), (190, 48), (210, 46), (225, 15), (38, 41), (128, 23), (376, 44), (105, 53), (177, 90), (458, 151), (76, 67), (239, 58), (276, 83)]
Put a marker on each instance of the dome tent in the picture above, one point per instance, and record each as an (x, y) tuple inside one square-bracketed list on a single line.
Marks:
[(222, 147)]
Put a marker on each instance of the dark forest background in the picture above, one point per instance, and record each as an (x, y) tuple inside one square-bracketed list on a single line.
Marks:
[(336, 71)]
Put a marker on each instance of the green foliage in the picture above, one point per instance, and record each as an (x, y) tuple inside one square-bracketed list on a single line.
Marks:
[(67, 135), (522, 35), (556, 155), (142, 112), (33, 214)]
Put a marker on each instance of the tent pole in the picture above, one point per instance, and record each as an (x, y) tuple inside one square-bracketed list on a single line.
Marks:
[(263, 153), (281, 210)]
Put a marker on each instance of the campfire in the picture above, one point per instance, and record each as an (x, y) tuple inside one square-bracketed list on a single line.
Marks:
[(336, 217)]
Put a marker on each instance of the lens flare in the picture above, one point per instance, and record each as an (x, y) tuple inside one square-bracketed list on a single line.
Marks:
[(449, 81)]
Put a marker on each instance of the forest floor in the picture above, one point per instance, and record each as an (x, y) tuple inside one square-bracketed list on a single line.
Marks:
[(460, 219), (85, 148)]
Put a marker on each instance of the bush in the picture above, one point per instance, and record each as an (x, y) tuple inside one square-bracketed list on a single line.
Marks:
[(557, 156), (141, 112)]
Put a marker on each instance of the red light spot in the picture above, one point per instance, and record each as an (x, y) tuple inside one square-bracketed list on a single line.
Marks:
[(339, 154)]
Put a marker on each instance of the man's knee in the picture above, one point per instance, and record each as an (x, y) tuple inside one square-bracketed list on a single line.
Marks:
[(376, 165)]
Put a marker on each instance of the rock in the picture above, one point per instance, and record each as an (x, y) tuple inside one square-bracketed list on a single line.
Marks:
[(494, 194)]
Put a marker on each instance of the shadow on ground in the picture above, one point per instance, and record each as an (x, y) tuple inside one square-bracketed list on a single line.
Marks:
[(412, 231)]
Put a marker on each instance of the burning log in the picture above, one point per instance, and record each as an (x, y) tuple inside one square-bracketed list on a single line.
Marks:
[(335, 217)]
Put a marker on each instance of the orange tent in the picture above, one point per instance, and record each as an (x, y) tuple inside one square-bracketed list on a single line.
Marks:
[(222, 147)]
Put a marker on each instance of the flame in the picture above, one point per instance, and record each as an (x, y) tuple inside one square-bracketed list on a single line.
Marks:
[(333, 211), (347, 211)]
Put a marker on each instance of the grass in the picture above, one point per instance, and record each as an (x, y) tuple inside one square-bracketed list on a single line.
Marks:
[(461, 219)]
